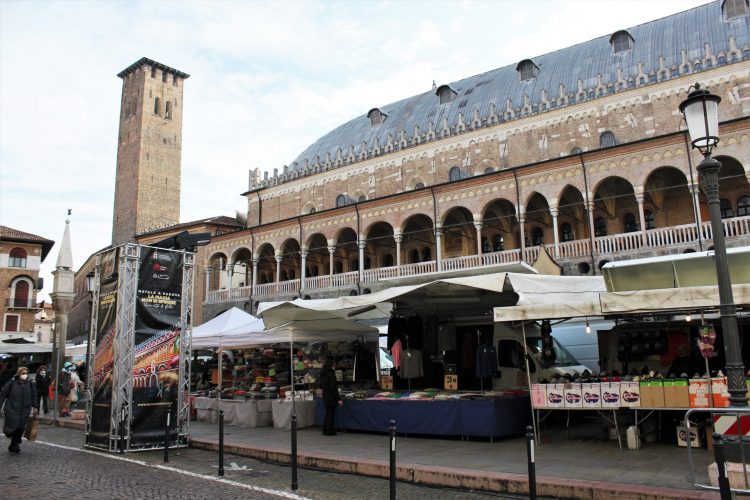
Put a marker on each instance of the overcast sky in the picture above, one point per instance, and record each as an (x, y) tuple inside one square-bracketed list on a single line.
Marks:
[(267, 79)]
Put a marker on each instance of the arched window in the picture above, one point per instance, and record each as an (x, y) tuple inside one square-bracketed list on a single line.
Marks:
[(726, 209), (454, 174), (600, 227), (489, 170), (157, 106), (387, 260), (527, 69), (355, 264), (607, 139), (628, 222), (426, 254), (17, 257), (649, 216), (414, 256), (284, 276), (341, 200), (22, 295), (338, 267), (446, 94), (419, 185), (376, 116), (168, 110), (576, 151), (537, 236), (292, 274), (566, 232), (621, 41), (743, 206), (486, 248), (153, 71), (362, 198)]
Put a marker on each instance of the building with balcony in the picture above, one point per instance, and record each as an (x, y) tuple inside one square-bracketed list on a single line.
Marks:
[(21, 255), (581, 152)]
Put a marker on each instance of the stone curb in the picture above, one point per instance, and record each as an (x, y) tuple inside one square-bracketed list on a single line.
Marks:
[(460, 478)]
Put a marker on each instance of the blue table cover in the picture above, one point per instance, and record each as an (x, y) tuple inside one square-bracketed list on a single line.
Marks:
[(453, 417)]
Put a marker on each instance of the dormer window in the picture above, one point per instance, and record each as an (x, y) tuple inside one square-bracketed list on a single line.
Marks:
[(527, 69), (446, 94), (621, 41), (376, 116), (734, 8)]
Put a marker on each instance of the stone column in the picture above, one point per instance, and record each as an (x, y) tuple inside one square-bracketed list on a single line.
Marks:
[(590, 209), (63, 295), (478, 224), (362, 243), (439, 247), (521, 221), (331, 253), (303, 269), (230, 275), (255, 273), (398, 237), (640, 198), (555, 230), (278, 258), (208, 270)]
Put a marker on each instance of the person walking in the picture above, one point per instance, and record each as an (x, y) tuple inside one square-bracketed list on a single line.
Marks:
[(76, 388), (63, 391), (43, 382), (331, 397), (19, 397)]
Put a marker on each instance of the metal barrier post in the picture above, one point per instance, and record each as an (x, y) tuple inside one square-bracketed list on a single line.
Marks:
[(532, 466), (221, 442), (294, 452), (724, 488), (166, 440), (392, 445)]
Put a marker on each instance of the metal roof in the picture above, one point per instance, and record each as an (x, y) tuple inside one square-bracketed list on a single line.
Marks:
[(666, 37)]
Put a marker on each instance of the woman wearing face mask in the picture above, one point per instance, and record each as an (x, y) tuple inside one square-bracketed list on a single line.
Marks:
[(19, 396), (42, 387)]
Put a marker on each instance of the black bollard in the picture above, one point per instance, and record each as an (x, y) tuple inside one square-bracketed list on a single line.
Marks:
[(221, 442), (532, 465), (166, 439), (724, 489), (294, 452), (392, 445)]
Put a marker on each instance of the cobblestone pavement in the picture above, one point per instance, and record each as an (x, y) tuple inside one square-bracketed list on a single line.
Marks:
[(68, 467)]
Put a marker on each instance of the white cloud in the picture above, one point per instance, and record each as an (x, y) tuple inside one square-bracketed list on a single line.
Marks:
[(268, 79)]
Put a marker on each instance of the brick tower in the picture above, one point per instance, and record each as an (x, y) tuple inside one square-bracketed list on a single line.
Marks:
[(147, 186)]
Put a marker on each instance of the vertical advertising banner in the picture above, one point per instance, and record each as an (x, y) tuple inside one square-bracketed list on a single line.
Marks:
[(157, 337), (102, 339)]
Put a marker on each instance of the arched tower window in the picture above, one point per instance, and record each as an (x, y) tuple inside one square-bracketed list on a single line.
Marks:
[(17, 257), (153, 71), (168, 110), (341, 200), (621, 41), (446, 94), (454, 174), (157, 106), (527, 69), (743, 206), (164, 75), (725, 207), (607, 139)]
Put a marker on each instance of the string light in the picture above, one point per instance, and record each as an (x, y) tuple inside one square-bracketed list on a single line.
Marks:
[(588, 327), (688, 318)]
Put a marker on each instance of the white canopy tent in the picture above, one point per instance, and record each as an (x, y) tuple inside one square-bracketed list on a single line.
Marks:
[(219, 331)]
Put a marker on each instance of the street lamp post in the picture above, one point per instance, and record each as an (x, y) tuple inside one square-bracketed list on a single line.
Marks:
[(701, 111)]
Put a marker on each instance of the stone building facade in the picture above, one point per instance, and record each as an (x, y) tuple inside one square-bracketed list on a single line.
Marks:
[(149, 148), (21, 255), (582, 152)]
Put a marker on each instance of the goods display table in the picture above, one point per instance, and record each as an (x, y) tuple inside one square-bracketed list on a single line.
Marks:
[(282, 413), (494, 417), (245, 413)]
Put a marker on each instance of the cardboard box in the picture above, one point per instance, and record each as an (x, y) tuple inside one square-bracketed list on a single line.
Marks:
[(676, 393), (555, 395), (695, 441), (591, 394), (630, 394), (720, 392), (386, 382), (539, 395), (573, 395), (450, 382), (699, 395), (610, 394), (652, 393)]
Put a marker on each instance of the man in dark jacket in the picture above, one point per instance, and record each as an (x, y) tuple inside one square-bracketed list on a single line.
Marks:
[(331, 397), (19, 396), (42, 386)]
